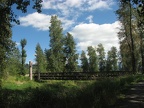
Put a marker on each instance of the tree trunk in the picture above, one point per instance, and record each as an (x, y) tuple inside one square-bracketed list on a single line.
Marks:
[(132, 43), (142, 52)]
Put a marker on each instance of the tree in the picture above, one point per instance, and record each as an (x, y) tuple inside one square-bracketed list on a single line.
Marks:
[(112, 60), (13, 65), (126, 58), (5, 38), (7, 16), (40, 59), (5, 45), (6, 6), (125, 17), (23, 56), (93, 66), (70, 54), (56, 57), (131, 35), (140, 27), (48, 63), (84, 62), (137, 4), (101, 57)]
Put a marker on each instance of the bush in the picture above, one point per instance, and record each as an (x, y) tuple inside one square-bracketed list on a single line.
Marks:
[(63, 94)]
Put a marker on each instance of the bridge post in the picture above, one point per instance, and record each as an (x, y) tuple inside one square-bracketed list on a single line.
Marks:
[(38, 76), (30, 70)]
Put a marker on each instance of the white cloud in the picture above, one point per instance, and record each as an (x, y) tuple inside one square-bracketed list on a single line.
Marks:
[(74, 7), (17, 43), (90, 18), (92, 34), (36, 20), (67, 10), (99, 4), (42, 21), (66, 24), (57, 4)]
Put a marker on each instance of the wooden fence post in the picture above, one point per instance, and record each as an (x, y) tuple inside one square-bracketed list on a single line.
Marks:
[(30, 70), (38, 76)]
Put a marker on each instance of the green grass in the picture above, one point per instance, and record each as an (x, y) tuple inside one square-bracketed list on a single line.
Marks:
[(19, 83), (21, 92)]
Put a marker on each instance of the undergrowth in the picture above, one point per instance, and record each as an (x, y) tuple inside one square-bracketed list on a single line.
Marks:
[(21, 92)]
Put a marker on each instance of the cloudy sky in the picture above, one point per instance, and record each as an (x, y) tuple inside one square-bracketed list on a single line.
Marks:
[(89, 21)]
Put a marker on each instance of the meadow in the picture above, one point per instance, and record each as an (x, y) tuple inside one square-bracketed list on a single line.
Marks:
[(20, 92)]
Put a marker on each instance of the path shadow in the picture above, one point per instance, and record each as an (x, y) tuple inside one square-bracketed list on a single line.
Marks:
[(134, 97)]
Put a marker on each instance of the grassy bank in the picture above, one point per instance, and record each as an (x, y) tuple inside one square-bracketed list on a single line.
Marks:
[(20, 92)]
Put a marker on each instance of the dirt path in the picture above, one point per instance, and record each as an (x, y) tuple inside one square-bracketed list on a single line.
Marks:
[(134, 97)]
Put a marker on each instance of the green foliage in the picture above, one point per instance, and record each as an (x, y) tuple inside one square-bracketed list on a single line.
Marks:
[(139, 17), (131, 16), (23, 56), (19, 82), (126, 35), (101, 57), (56, 56), (62, 94), (7, 16), (48, 65), (112, 59), (70, 53), (23, 43), (124, 38), (20, 5), (5, 37), (84, 62), (13, 66), (93, 66), (40, 59)]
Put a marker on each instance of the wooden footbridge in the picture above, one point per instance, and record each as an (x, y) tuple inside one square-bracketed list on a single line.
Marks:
[(74, 75), (77, 75)]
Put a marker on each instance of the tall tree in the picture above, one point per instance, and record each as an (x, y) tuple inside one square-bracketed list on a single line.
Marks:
[(101, 57), (140, 28), (125, 16), (71, 56), (7, 16), (84, 62), (13, 65), (93, 60), (40, 59), (7, 7), (112, 60), (5, 36), (126, 58), (23, 56), (48, 63), (56, 57)]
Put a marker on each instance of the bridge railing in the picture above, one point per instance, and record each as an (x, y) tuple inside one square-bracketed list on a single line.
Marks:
[(78, 75)]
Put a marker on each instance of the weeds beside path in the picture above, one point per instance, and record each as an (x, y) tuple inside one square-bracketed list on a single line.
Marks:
[(133, 97), (20, 92)]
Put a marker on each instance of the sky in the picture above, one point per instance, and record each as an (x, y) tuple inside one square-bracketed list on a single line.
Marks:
[(90, 22)]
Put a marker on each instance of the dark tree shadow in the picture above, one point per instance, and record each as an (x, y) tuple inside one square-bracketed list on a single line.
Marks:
[(134, 97)]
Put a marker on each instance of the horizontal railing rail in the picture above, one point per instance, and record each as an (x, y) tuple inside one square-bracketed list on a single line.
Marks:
[(78, 75)]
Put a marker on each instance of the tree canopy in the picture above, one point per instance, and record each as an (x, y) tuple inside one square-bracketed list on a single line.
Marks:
[(56, 57)]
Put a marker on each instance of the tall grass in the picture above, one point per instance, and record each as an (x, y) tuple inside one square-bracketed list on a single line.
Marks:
[(20, 92)]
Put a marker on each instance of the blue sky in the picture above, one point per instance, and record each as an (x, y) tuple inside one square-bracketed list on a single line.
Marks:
[(89, 21)]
